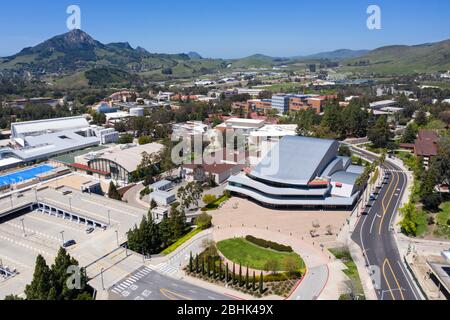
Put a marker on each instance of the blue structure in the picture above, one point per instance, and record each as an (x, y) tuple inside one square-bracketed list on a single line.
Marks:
[(24, 175), (106, 108), (281, 103)]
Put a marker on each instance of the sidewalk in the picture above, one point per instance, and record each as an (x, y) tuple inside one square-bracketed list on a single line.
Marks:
[(345, 238)]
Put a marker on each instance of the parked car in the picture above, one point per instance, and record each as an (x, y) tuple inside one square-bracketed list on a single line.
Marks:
[(69, 243)]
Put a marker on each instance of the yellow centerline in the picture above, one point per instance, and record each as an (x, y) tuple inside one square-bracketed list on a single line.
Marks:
[(169, 294), (387, 281), (390, 200), (395, 278)]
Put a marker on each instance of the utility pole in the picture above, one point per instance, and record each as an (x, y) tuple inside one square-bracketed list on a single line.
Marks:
[(23, 227), (62, 236), (103, 283), (117, 237)]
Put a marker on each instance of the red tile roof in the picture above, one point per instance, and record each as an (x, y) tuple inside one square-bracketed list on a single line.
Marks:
[(426, 144)]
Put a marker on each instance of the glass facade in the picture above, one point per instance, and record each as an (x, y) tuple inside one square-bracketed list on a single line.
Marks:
[(117, 172)]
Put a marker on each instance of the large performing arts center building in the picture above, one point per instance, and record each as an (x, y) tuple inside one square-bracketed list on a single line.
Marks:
[(301, 173)]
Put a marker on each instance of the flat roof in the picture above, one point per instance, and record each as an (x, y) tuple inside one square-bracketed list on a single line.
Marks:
[(123, 215), (273, 130), (161, 184), (51, 144), (296, 160), (442, 272), (382, 103), (59, 124), (130, 157)]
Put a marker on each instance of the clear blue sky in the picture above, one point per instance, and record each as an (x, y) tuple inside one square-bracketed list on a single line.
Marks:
[(229, 28)]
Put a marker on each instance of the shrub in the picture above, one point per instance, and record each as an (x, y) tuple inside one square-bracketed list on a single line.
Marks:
[(145, 140), (125, 139), (203, 221), (269, 244), (209, 199)]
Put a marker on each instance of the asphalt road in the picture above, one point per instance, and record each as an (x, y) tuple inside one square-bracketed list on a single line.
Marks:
[(147, 284), (374, 234)]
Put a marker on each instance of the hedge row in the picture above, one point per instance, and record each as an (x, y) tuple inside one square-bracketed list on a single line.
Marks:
[(269, 244)]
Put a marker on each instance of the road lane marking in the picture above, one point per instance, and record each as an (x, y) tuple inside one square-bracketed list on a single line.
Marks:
[(173, 295), (406, 277), (388, 204), (395, 279), (387, 281)]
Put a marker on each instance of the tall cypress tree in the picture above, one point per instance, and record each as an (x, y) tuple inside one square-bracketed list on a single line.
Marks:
[(227, 278), (254, 281), (240, 275), (40, 286), (234, 273), (261, 283), (247, 279), (191, 264), (197, 264), (203, 266)]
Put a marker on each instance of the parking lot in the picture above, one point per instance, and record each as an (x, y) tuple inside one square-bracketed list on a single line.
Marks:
[(61, 215), (23, 237)]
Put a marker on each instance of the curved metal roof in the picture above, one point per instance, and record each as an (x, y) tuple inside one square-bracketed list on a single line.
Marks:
[(296, 160)]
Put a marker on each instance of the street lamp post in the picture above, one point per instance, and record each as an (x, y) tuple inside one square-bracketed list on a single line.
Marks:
[(10, 197), (103, 282), (23, 227), (70, 203), (109, 218), (62, 236)]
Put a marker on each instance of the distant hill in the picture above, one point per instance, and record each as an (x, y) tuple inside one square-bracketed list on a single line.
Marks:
[(336, 55), (194, 55), (76, 51), (403, 59), (257, 61), (76, 59)]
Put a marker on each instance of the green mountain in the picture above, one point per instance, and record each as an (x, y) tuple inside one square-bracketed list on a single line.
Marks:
[(337, 55), (76, 51), (428, 57), (258, 61)]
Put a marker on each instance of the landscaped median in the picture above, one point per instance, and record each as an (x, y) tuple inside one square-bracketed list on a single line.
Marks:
[(246, 253), (181, 241), (213, 203), (245, 266)]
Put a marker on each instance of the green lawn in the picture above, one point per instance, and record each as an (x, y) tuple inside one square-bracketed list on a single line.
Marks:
[(442, 219), (352, 271), (248, 254)]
